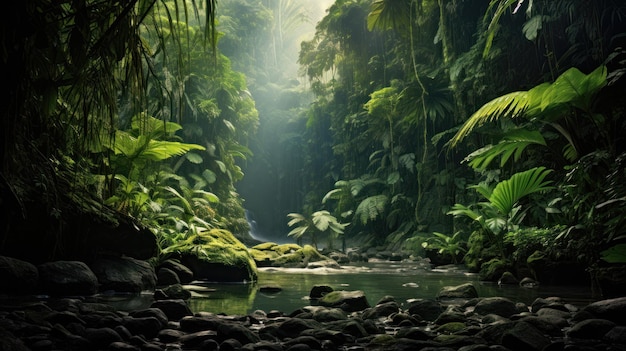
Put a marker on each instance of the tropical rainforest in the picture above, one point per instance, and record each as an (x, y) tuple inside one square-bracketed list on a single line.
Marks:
[(484, 132)]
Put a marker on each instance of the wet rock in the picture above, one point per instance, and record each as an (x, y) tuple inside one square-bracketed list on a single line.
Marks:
[(146, 326), (172, 292), (293, 327), (611, 309), (339, 257), (496, 305), (330, 263), (349, 301), (67, 278), (381, 310), (507, 278), (318, 291), (124, 274), (427, 309), (524, 337), (270, 289), (590, 329), (194, 340), (527, 282), (166, 276), (184, 274), (617, 335), (174, 309), (151, 312), (463, 291), (17, 276), (102, 336)]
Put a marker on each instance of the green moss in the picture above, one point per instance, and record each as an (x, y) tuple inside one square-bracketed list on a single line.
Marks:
[(263, 255), (332, 297), (219, 246), (269, 246), (492, 270), (286, 248)]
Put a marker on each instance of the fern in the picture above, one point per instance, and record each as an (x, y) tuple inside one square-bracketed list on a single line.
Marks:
[(371, 208)]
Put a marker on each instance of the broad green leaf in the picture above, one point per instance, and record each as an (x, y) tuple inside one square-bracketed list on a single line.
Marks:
[(532, 27), (506, 193), (614, 254), (371, 208)]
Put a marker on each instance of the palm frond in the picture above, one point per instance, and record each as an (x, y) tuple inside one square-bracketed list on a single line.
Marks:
[(512, 144), (506, 193), (510, 105)]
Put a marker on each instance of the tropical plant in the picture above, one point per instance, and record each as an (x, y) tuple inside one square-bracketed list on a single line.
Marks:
[(446, 245), (497, 216), (320, 222)]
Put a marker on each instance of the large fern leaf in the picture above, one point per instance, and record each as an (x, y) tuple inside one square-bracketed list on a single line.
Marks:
[(371, 208)]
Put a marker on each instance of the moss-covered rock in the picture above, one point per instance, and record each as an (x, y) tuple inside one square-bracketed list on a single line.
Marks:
[(216, 255), (492, 270), (285, 255)]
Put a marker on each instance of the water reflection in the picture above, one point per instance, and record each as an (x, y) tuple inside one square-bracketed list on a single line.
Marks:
[(404, 281)]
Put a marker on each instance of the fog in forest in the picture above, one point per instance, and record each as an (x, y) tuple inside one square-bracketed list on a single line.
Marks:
[(272, 187)]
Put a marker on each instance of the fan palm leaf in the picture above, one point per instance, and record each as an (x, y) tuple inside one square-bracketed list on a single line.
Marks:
[(512, 145), (508, 192)]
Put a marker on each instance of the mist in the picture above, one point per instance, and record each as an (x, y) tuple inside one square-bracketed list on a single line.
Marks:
[(263, 41)]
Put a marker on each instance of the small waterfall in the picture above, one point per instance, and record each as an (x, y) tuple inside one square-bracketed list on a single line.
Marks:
[(254, 228)]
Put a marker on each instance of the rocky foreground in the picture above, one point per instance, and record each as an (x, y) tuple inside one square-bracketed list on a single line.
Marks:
[(336, 320)]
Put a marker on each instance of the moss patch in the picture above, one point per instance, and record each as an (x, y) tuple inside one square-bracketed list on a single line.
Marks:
[(285, 255)]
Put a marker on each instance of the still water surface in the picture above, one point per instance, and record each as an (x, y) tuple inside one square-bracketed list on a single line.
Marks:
[(401, 280)]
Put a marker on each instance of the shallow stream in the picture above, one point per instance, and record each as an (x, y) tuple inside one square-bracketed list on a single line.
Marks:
[(402, 280)]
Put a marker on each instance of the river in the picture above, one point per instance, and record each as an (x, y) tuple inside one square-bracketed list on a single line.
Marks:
[(402, 280)]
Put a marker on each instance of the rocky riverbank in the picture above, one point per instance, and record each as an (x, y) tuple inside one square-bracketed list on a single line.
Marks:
[(456, 319)]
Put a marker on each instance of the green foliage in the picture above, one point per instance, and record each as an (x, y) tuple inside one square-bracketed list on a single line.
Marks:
[(614, 254), (513, 143), (451, 246), (371, 208), (320, 222)]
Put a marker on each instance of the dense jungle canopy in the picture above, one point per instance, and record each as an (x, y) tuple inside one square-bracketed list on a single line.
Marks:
[(477, 129)]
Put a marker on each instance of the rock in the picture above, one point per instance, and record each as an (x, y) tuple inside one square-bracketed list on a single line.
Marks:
[(339, 257), (149, 327), (330, 263), (527, 282), (124, 274), (507, 278), (17, 276), (611, 309), (381, 310), (102, 336), (270, 289), (496, 305), (463, 291), (524, 337), (174, 309), (350, 301), (66, 278), (185, 275), (166, 276), (318, 291), (294, 327), (172, 292), (492, 270), (426, 309), (217, 256), (194, 340), (617, 335), (591, 329), (151, 312)]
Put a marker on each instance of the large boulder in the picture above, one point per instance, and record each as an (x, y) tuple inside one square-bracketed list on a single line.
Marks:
[(65, 278), (611, 309), (216, 255), (124, 274), (17, 276)]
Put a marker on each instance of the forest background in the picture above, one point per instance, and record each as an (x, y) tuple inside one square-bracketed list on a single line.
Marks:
[(483, 131)]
